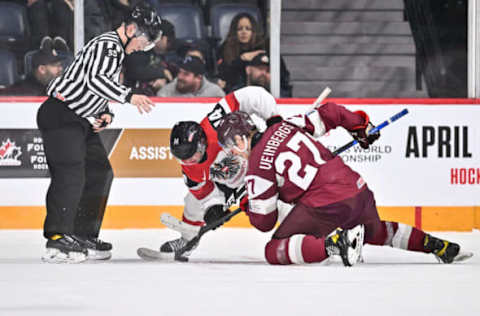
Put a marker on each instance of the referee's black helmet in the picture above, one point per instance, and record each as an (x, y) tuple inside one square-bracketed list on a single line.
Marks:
[(147, 20)]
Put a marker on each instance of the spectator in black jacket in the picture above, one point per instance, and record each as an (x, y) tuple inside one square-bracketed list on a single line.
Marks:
[(46, 65), (244, 41), (258, 74)]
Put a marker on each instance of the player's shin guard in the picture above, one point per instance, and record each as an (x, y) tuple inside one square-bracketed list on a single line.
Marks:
[(296, 249)]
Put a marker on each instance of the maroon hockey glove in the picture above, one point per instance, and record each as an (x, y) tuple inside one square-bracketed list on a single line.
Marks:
[(360, 132)]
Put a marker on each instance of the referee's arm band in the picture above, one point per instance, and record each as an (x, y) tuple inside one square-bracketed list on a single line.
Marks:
[(128, 98)]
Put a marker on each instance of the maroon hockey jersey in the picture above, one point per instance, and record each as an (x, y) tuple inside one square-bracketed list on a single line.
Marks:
[(288, 164)]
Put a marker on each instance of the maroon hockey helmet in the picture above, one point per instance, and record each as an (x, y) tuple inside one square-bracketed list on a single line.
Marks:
[(233, 124)]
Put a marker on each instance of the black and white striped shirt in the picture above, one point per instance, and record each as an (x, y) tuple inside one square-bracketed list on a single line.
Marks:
[(93, 77)]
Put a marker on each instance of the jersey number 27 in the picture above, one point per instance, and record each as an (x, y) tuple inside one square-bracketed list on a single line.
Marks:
[(296, 163)]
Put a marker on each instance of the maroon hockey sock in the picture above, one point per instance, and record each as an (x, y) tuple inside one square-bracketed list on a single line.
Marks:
[(295, 249), (398, 235)]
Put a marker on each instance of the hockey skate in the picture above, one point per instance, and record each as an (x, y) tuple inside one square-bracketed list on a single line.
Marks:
[(63, 248), (347, 244), (167, 250), (97, 248), (173, 246), (445, 251)]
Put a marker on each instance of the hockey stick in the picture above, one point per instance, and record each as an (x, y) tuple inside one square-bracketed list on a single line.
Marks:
[(219, 222), (372, 131), (321, 97)]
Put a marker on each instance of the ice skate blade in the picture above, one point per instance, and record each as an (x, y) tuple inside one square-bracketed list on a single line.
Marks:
[(99, 254), (155, 255), (355, 239), (462, 256), (53, 255)]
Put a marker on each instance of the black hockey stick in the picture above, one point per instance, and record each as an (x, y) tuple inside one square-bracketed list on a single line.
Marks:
[(219, 222), (374, 130)]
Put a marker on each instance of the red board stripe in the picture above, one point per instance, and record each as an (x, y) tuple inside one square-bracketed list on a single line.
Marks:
[(301, 101), (418, 217)]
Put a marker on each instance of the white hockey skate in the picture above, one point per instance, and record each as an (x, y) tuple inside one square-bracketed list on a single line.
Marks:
[(347, 244)]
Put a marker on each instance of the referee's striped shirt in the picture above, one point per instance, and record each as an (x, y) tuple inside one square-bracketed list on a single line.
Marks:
[(92, 79)]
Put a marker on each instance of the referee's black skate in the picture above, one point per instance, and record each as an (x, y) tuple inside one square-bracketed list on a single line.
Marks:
[(347, 244), (97, 248), (63, 248), (444, 250)]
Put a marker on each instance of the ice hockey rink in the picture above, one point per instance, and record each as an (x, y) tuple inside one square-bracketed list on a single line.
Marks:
[(227, 275)]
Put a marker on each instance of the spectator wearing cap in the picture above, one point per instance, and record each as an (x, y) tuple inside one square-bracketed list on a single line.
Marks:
[(258, 74), (46, 66), (191, 82), (149, 80)]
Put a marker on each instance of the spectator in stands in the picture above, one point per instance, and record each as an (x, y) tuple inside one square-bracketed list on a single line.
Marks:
[(191, 81), (52, 18), (46, 65), (194, 50), (149, 80), (136, 62), (258, 74), (244, 41)]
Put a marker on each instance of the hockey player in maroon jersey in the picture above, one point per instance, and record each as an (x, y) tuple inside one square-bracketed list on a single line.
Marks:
[(286, 163), (214, 177)]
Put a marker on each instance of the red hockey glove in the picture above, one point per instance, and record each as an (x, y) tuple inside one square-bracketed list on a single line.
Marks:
[(244, 203), (360, 132)]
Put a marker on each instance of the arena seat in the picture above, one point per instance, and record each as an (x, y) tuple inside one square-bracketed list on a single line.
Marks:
[(187, 19), (8, 68), (14, 27)]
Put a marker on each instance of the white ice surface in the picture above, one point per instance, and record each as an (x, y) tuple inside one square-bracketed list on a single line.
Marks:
[(227, 275)]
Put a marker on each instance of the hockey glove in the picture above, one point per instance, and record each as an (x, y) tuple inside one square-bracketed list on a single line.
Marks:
[(244, 204), (360, 132), (214, 213)]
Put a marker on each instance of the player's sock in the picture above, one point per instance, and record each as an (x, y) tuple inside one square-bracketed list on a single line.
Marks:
[(398, 235), (296, 249)]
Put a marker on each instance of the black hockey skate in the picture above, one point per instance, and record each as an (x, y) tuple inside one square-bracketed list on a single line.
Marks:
[(63, 248), (347, 244), (445, 251), (173, 246), (97, 248)]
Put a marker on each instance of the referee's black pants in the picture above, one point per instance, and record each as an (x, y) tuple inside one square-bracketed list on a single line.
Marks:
[(81, 174)]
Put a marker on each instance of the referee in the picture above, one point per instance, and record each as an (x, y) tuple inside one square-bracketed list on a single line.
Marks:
[(70, 120)]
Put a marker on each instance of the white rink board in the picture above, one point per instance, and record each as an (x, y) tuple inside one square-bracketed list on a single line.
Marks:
[(395, 179)]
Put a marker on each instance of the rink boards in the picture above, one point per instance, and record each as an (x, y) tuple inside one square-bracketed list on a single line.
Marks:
[(424, 170)]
